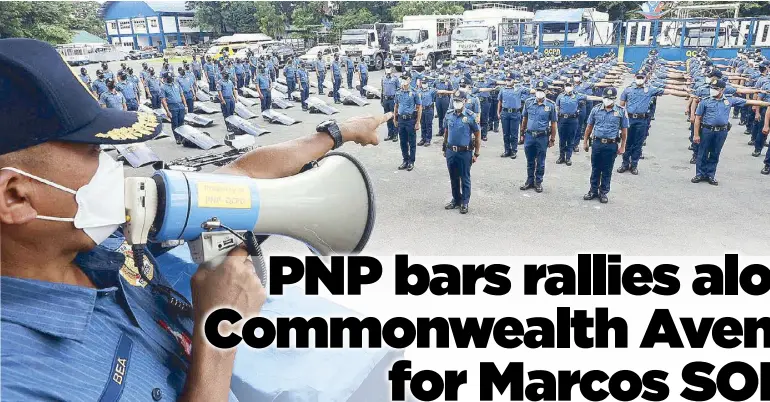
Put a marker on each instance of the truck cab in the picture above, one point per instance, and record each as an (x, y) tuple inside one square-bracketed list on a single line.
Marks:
[(468, 38), (425, 38), (580, 26), (367, 44)]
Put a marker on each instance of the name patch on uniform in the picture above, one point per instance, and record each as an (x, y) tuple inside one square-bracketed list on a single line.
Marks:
[(727, 102), (129, 271), (119, 370), (547, 109), (465, 119), (617, 114)]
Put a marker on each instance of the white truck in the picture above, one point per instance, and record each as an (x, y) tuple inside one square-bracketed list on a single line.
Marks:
[(583, 27), (425, 38), (480, 27), (369, 43)]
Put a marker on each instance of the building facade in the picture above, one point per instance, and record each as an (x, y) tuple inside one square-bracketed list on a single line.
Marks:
[(136, 24)]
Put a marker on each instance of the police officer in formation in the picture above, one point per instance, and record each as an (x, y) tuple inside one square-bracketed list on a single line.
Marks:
[(350, 67), (407, 113), (228, 95), (264, 86), (509, 105), (320, 72), (197, 68), (108, 75), (111, 98), (84, 77), (389, 87), (129, 91), (462, 145), (290, 72), (134, 80), (442, 86), (99, 85), (174, 103), (363, 76), (428, 101), (187, 83), (568, 104), (153, 88), (336, 69), (303, 82), (212, 73), (538, 133), (608, 124)]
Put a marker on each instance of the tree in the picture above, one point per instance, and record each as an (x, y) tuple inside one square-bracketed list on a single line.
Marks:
[(269, 20), (46, 21), (240, 16), (209, 15), (85, 17), (306, 16), (352, 19), (403, 8)]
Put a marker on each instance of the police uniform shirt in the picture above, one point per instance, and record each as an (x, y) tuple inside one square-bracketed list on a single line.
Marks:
[(171, 92), (84, 78), (144, 75), (472, 103), (569, 103), (407, 101), (226, 87), (362, 68), (271, 64), (302, 75), (415, 76), (607, 123), (476, 90), (209, 68), (638, 99), (427, 97), (349, 64), (290, 72), (196, 65), (108, 74), (112, 100), (134, 80), (716, 112), (186, 82), (153, 84), (460, 127), (126, 88), (231, 71), (320, 67), (539, 116), (445, 85), (253, 61), (512, 97), (336, 68), (455, 80), (238, 69), (389, 86)]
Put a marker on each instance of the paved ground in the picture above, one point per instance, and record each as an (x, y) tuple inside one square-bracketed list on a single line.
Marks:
[(658, 212)]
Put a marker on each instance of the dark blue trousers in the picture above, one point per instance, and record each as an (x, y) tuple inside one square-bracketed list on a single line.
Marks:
[(364, 82), (253, 71), (212, 84), (757, 136), (459, 165), (637, 133), (336, 83), (155, 100), (484, 118), (305, 94), (350, 78), (387, 106), (711, 143), (177, 116), (535, 149), (567, 129), (321, 78), (442, 106), (239, 81), (426, 124), (197, 74), (510, 122), (602, 162), (228, 108), (408, 138), (582, 117), (267, 99), (694, 145), (291, 84), (132, 105), (190, 100), (493, 122)]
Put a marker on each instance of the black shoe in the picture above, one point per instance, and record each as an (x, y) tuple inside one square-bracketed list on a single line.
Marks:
[(603, 198), (641, 156), (689, 148), (539, 187), (576, 149), (427, 144), (483, 138), (513, 155), (526, 186), (337, 102), (751, 143), (506, 154), (697, 179), (560, 160), (712, 181), (403, 166), (395, 138), (622, 169), (568, 162), (634, 170), (756, 153), (692, 160), (747, 132), (464, 209), (388, 138), (421, 143), (410, 167), (765, 170), (451, 205), (590, 196)]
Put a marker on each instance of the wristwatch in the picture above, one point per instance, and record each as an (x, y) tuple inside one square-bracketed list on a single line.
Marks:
[(330, 127), (476, 154)]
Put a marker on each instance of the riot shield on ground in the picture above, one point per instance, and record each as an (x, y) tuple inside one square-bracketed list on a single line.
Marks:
[(197, 137), (274, 117), (202, 96), (197, 120), (145, 108), (203, 86), (281, 80), (137, 155), (202, 108), (240, 141), (296, 96), (243, 111), (163, 134), (351, 98), (246, 101), (249, 93), (279, 100), (162, 115), (282, 88), (241, 126), (316, 105), (372, 92)]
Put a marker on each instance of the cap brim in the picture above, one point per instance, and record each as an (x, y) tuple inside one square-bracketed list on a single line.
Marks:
[(112, 126)]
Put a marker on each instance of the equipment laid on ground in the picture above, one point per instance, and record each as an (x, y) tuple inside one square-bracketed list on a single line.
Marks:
[(351, 98), (202, 96), (240, 141), (249, 93), (296, 96), (195, 163), (279, 100), (329, 207), (241, 126), (246, 101), (316, 105), (196, 137), (372, 92), (243, 111), (282, 88), (137, 155), (205, 109), (197, 121), (278, 118), (162, 115), (163, 134)]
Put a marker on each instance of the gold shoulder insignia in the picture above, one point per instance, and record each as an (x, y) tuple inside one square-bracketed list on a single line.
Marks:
[(145, 126)]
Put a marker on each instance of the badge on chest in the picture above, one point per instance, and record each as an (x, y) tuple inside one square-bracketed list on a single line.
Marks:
[(547, 108), (727, 102)]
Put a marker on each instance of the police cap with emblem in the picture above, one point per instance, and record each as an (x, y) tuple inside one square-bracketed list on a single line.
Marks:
[(44, 101), (640, 74), (610, 92), (541, 85), (718, 84), (460, 95)]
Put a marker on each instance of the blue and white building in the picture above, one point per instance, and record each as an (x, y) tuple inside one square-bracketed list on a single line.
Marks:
[(135, 24)]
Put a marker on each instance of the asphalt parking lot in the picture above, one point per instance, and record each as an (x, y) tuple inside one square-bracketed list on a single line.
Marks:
[(658, 212)]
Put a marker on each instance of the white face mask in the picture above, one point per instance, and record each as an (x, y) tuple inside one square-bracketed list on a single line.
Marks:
[(713, 92), (101, 202), (458, 105), (577, 79), (539, 94), (608, 101), (387, 71), (568, 89), (640, 81), (424, 86)]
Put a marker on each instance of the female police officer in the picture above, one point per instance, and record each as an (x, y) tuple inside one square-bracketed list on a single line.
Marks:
[(459, 142)]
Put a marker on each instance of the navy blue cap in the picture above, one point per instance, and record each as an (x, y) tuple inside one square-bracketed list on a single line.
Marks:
[(610, 92), (641, 74), (715, 72), (460, 95), (541, 85), (43, 100), (718, 84)]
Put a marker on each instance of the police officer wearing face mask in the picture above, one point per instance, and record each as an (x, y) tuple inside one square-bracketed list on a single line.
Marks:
[(711, 129), (291, 76), (428, 98), (462, 144), (112, 99), (211, 71), (187, 83), (153, 88), (264, 86), (539, 120), (509, 112), (129, 92), (604, 122), (350, 67), (336, 78), (389, 88), (99, 86), (174, 103), (227, 96), (444, 90), (84, 78), (107, 73), (363, 76), (135, 81), (407, 114), (303, 82), (568, 105), (320, 72)]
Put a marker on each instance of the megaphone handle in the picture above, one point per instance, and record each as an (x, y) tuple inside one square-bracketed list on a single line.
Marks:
[(253, 248)]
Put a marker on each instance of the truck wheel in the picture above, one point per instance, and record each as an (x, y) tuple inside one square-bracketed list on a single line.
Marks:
[(378, 62)]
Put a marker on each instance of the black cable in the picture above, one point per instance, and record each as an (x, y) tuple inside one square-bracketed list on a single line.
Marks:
[(177, 301)]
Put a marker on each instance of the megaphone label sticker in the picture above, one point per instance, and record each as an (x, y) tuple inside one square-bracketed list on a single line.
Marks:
[(129, 271), (223, 195)]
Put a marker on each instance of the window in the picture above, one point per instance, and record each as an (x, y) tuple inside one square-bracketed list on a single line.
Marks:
[(371, 37), (125, 25), (140, 25), (186, 22), (113, 26), (153, 23)]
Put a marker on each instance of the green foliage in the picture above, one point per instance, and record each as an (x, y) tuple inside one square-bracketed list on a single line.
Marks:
[(209, 15), (85, 17), (48, 21), (404, 8), (307, 16), (269, 20), (240, 16), (352, 19)]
